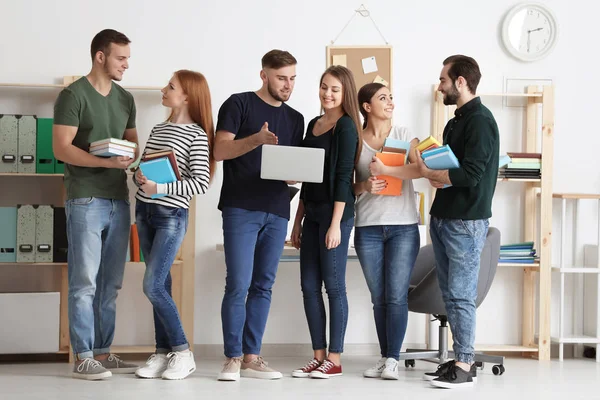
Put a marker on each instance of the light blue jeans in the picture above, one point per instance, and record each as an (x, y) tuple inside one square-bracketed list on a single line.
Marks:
[(457, 245), (387, 255), (98, 233)]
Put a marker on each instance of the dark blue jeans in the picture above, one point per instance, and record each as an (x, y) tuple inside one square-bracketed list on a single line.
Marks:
[(317, 266), (387, 255), (457, 245), (161, 230), (253, 243)]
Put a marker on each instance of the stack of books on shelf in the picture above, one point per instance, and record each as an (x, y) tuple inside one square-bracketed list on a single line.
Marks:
[(393, 154), (113, 147), (160, 167), (518, 253), (520, 166)]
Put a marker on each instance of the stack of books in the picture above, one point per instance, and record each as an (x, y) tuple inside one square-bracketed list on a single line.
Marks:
[(428, 144), (160, 167), (521, 166), (393, 154), (113, 147), (518, 253), (440, 158)]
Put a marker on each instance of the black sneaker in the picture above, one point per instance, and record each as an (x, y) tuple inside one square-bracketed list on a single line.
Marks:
[(454, 378), (443, 368)]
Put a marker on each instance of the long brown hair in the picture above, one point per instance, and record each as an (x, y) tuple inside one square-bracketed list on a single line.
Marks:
[(349, 99), (195, 87), (365, 94)]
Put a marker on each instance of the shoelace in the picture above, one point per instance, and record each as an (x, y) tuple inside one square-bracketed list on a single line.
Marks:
[(115, 358), (231, 361), (311, 364), (326, 366), (152, 359), (450, 375), (445, 365), (174, 358), (87, 364), (260, 362)]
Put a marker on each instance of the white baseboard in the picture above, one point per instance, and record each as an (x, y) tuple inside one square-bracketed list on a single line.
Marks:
[(301, 350)]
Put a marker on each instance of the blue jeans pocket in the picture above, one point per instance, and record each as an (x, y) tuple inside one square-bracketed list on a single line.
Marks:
[(83, 201)]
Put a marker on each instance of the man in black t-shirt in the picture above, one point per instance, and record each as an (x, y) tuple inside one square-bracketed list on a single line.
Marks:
[(255, 211)]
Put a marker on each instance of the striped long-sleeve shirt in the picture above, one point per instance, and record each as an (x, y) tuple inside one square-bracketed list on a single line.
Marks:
[(190, 143)]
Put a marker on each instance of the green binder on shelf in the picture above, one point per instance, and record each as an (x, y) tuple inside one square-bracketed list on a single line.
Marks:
[(9, 139), (8, 234), (44, 163), (59, 167), (26, 145), (44, 234), (25, 234)]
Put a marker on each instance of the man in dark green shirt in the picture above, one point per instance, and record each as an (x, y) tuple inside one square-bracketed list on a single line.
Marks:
[(97, 207), (460, 212)]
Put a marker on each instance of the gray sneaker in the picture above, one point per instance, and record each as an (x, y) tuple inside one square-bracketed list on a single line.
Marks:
[(117, 366), (90, 369)]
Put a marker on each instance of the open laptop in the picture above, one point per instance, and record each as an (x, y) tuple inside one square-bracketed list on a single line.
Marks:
[(291, 163)]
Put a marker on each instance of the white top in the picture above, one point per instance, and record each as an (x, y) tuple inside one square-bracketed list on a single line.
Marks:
[(373, 209), (190, 143)]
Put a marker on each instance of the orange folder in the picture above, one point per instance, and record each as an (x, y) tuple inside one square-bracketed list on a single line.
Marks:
[(394, 185)]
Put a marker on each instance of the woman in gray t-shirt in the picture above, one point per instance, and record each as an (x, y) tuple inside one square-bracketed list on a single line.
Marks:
[(386, 236)]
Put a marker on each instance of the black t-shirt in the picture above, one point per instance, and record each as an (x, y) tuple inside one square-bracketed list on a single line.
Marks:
[(318, 192), (244, 114)]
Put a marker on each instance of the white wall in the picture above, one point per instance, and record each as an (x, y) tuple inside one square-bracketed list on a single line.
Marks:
[(208, 36)]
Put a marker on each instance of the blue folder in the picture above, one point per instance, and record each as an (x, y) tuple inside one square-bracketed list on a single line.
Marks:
[(159, 171)]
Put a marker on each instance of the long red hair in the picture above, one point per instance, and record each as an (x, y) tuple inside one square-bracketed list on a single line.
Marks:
[(195, 87)]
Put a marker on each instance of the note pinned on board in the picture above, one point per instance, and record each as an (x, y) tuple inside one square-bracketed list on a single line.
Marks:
[(339, 59), (369, 65), (379, 79)]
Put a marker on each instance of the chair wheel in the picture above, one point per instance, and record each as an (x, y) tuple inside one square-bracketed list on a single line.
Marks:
[(409, 363), (498, 369), (479, 365)]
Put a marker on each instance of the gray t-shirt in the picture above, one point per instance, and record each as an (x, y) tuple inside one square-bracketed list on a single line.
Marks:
[(373, 209)]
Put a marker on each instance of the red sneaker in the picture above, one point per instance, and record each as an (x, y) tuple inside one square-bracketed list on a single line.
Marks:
[(307, 369), (326, 370)]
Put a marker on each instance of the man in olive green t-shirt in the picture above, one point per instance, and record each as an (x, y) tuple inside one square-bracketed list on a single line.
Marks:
[(97, 207)]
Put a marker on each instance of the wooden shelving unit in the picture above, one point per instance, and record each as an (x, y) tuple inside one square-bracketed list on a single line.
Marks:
[(182, 272), (538, 275)]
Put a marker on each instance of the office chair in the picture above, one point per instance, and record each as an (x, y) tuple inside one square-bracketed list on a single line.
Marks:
[(425, 297)]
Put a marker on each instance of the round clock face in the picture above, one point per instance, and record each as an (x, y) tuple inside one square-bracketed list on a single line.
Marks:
[(529, 31)]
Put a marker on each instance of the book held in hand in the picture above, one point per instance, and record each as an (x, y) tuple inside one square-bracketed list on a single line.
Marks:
[(440, 158), (113, 147), (394, 185), (169, 154), (158, 170)]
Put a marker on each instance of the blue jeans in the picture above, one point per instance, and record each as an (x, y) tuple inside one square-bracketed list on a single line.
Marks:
[(457, 245), (161, 230), (387, 255), (317, 266), (253, 243), (98, 234)]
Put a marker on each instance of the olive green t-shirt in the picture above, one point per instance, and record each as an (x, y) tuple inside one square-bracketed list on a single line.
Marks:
[(96, 117)]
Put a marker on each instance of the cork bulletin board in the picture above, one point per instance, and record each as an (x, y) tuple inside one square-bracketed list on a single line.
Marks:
[(367, 63)]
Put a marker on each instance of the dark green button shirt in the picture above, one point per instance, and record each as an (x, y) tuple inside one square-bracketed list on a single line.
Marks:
[(473, 137)]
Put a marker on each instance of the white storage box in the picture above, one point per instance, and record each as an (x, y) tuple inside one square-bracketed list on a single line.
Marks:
[(30, 323)]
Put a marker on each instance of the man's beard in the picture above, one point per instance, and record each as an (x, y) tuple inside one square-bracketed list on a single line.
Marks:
[(276, 95), (451, 96)]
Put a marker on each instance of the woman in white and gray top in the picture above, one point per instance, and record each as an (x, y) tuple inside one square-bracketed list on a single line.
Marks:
[(386, 236), (163, 221)]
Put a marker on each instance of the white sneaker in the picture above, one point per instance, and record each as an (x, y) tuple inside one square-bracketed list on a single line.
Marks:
[(154, 368), (181, 365), (391, 369), (375, 372)]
